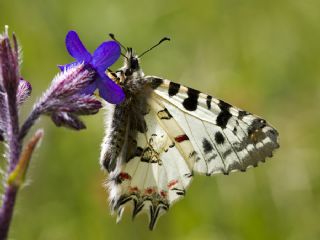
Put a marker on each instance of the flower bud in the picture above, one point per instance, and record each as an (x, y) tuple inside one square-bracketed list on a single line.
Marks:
[(67, 120), (24, 91), (9, 65)]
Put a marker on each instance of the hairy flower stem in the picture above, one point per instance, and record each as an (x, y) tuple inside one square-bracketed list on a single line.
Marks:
[(32, 118), (14, 146), (14, 143), (14, 180), (14, 150), (6, 211)]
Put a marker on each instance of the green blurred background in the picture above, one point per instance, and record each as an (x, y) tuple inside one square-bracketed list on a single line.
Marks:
[(262, 56)]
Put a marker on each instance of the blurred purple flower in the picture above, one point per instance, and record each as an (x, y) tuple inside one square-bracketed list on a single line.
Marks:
[(103, 57)]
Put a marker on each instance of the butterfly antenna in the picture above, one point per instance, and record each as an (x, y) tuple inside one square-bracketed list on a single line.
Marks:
[(123, 47), (162, 40)]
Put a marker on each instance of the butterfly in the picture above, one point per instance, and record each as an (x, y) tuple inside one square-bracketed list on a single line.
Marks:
[(164, 133)]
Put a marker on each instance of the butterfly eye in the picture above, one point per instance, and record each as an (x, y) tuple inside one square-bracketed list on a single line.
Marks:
[(128, 72), (134, 63)]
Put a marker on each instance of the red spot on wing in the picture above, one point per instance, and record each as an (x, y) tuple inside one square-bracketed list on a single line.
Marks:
[(124, 176), (149, 190), (163, 194), (181, 138), (134, 189), (172, 183)]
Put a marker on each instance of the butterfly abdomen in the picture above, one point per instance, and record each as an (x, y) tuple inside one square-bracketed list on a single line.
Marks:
[(124, 122), (115, 135)]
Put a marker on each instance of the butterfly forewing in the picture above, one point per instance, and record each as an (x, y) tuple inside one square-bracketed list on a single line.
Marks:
[(220, 127)]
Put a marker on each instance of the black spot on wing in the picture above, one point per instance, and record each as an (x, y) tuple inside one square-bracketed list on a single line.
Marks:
[(234, 130), (242, 114), (172, 145), (207, 146), (138, 152), (256, 125), (173, 88), (212, 157), (227, 153), (180, 192), (219, 138), (164, 114), (224, 115), (191, 102), (188, 175), (255, 132), (156, 82), (273, 135), (192, 154)]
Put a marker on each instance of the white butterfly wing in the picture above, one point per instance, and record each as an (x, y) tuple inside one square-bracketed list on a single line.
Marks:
[(187, 131), (157, 175), (224, 137)]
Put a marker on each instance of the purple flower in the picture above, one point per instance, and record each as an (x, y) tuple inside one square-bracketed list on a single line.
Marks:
[(103, 57), (63, 102)]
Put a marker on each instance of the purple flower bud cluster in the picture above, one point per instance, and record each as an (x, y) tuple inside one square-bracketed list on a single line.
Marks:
[(64, 100), (24, 91)]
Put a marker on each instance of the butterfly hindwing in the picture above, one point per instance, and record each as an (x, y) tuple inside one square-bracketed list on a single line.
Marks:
[(157, 175)]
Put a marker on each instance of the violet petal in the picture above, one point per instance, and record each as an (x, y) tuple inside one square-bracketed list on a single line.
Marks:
[(106, 55), (110, 91), (66, 66), (75, 47), (89, 90)]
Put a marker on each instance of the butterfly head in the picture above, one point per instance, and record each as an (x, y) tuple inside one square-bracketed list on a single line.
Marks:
[(131, 60), (131, 69), (131, 64)]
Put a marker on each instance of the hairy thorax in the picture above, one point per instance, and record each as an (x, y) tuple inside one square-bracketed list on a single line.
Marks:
[(127, 117)]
